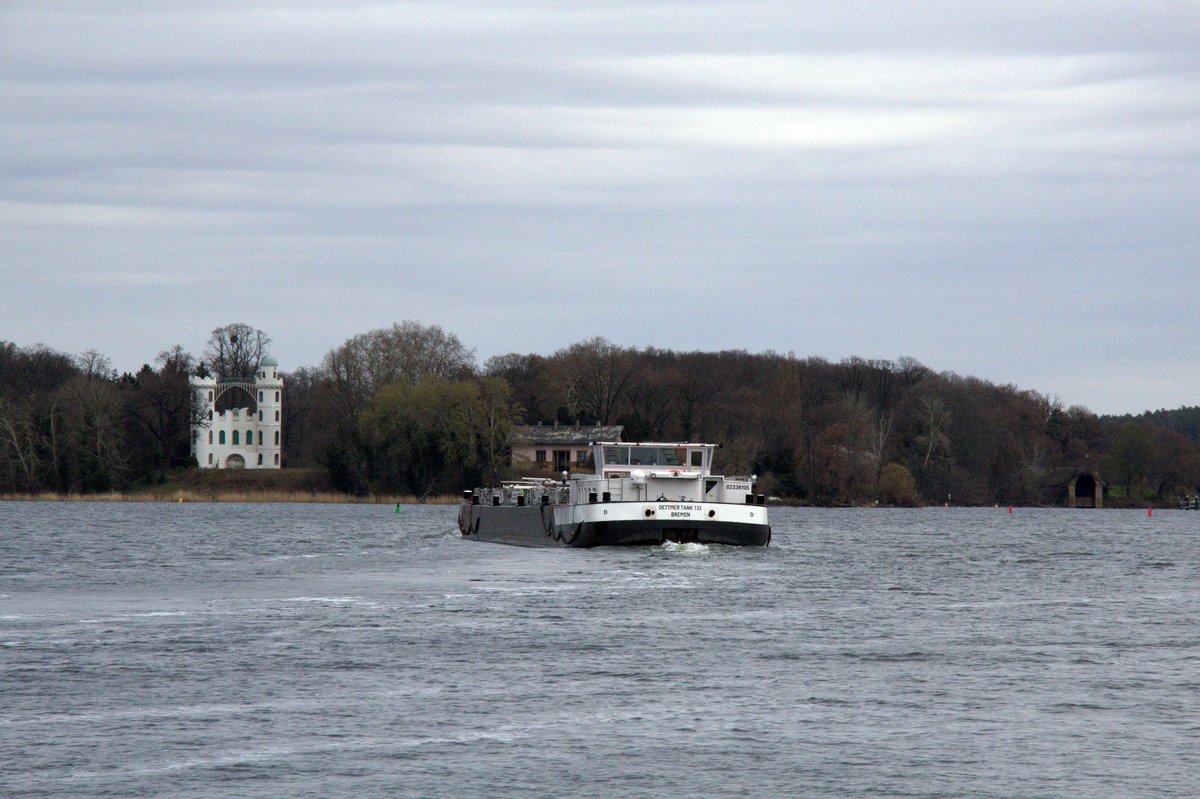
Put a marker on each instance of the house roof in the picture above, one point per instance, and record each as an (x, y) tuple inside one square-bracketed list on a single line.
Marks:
[(566, 435)]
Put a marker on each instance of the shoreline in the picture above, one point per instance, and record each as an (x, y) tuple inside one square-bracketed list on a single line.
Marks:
[(261, 497), (268, 496)]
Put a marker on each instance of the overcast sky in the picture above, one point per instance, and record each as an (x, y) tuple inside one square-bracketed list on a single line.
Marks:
[(1004, 190)]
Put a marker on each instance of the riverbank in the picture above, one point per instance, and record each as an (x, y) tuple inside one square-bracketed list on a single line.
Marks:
[(235, 496), (237, 485)]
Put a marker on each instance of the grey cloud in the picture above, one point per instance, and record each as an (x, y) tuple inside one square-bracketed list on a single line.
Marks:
[(961, 183)]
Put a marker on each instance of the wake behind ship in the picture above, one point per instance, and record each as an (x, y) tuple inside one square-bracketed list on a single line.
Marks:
[(646, 493)]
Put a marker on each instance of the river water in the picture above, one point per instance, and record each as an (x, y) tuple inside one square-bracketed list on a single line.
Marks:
[(218, 650)]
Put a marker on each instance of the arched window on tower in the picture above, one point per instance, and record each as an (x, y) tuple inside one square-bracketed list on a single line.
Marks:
[(260, 396), (277, 416), (249, 438), (276, 458), (260, 414), (260, 438), (210, 396), (210, 459), (277, 396), (277, 438), (221, 437), (235, 438), (260, 459), (210, 436)]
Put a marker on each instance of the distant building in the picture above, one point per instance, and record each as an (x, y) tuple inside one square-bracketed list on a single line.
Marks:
[(553, 449), (245, 436)]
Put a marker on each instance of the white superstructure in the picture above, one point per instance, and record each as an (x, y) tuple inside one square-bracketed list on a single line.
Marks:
[(247, 436)]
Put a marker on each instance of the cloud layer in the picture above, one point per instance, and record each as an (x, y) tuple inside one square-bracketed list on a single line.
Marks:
[(1009, 192)]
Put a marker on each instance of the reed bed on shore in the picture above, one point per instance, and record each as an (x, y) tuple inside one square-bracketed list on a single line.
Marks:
[(326, 497)]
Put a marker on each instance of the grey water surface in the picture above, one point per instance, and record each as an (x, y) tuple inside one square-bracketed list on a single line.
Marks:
[(218, 650)]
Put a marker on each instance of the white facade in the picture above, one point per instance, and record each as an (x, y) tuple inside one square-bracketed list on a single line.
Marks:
[(247, 437)]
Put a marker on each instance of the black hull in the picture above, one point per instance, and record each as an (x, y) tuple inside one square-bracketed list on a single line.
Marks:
[(535, 527)]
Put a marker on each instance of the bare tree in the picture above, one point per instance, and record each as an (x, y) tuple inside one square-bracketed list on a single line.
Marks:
[(235, 351), (935, 420), (19, 445), (163, 408), (596, 374), (408, 352), (92, 419), (95, 366)]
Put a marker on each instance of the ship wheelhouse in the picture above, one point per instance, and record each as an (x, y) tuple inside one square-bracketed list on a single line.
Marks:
[(618, 459)]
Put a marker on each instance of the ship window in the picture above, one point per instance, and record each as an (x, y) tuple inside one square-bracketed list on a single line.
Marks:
[(581, 456), (616, 456), (235, 438), (698, 458), (221, 437), (657, 456), (540, 456)]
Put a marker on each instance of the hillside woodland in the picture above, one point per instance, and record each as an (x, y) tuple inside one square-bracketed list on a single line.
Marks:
[(407, 409)]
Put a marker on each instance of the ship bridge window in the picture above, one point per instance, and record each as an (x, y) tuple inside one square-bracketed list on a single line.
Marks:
[(616, 456), (697, 456), (656, 456)]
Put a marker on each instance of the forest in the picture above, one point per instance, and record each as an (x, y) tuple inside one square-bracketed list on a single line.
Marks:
[(407, 409)]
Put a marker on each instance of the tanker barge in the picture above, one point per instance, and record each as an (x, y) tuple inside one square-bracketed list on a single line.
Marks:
[(644, 493)]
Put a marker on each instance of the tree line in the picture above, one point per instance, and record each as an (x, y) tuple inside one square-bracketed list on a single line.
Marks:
[(408, 409)]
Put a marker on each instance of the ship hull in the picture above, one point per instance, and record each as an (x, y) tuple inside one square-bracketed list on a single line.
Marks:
[(616, 524)]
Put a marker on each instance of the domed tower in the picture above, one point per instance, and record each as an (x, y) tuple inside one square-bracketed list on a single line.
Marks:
[(268, 388)]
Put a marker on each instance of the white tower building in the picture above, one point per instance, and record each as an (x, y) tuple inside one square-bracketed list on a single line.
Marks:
[(248, 436)]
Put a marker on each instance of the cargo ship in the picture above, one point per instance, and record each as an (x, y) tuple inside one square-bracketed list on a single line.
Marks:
[(639, 494)]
